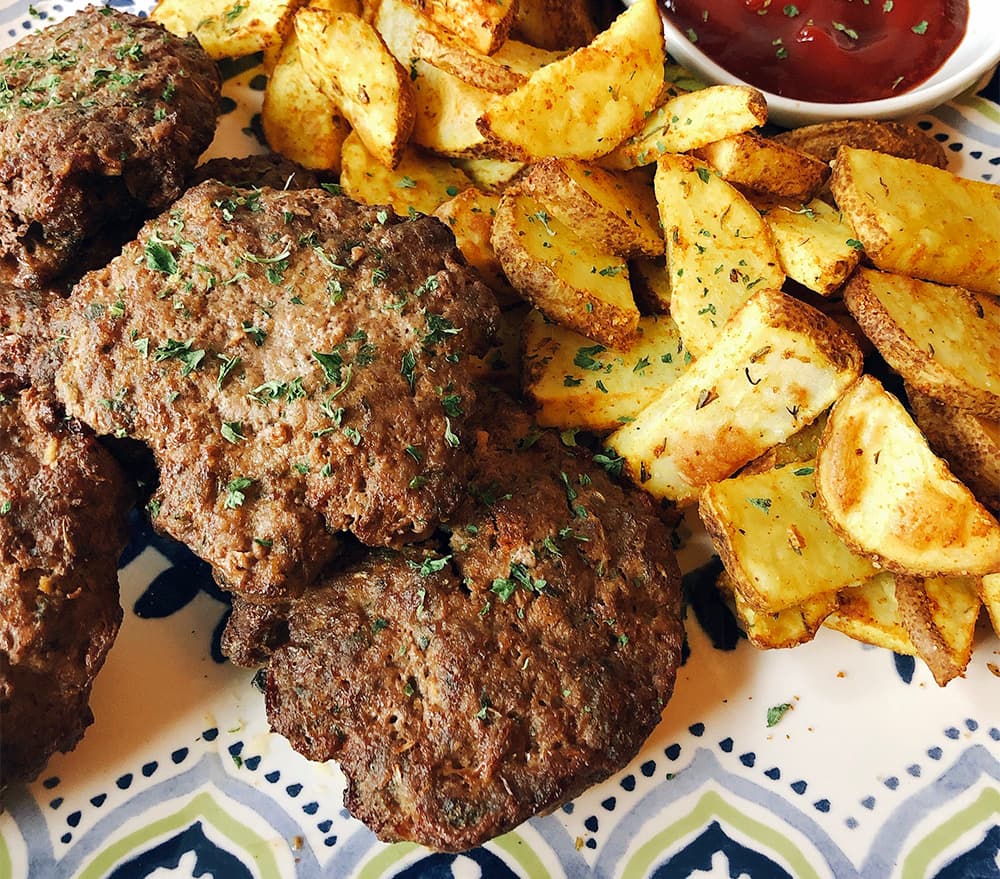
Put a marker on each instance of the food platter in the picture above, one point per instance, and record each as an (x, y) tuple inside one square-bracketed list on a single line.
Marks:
[(833, 759)]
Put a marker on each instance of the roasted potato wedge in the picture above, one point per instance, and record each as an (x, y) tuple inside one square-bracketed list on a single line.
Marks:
[(469, 214), (482, 25), (615, 211), (490, 175), (348, 61), (784, 628), (571, 382), (944, 341), (777, 365), (299, 121), (500, 73), (921, 221), (773, 540), (719, 250), (940, 616), (989, 592), (229, 28), (420, 182), (869, 613), (888, 496), (970, 444), (800, 446), (603, 92), (823, 139), (688, 121), (566, 277), (815, 245), (753, 162), (554, 24)]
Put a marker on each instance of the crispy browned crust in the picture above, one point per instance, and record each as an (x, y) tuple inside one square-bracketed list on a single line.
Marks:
[(895, 138)]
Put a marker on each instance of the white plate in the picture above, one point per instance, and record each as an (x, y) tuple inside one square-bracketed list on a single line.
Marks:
[(875, 772)]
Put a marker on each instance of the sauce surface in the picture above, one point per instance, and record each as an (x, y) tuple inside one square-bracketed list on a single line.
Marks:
[(836, 51)]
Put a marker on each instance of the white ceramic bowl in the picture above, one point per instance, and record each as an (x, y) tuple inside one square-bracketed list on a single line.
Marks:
[(976, 55)]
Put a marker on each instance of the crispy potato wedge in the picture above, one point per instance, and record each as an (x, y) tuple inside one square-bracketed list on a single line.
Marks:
[(590, 121), (970, 444), (299, 121), (815, 244), (753, 162), (989, 592), (869, 613), (420, 182), (944, 341), (785, 628), (469, 214), (490, 175), (940, 615), (921, 221), (773, 540), (481, 24), (568, 278), (348, 61), (651, 284), (688, 121), (554, 24), (615, 211), (719, 250), (571, 382), (891, 498), (777, 365), (823, 139), (501, 73), (229, 28)]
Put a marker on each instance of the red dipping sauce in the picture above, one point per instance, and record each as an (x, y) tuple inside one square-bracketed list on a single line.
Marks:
[(831, 51)]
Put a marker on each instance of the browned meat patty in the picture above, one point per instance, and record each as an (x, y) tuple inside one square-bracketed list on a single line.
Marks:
[(102, 117), (254, 172), (468, 687), (63, 508), (297, 363)]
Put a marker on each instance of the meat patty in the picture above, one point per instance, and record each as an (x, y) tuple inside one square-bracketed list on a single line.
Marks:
[(63, 509), (254, 172), (467, 687), (298, 364), (102, 117)]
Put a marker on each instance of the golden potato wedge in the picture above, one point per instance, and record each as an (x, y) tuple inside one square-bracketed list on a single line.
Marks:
[(921, 221), (815, 244), (585, 104), (753, 162), (571, 382), (940, 615), (615, 211), (501, 73), (688, 121), (469, 214), (554, 24), (481, 24), (785, 628), (970, 444), (989, 592), (651, 284), (566, 277), (774, 541), (944, 341), (229, 28), (719, 250), (490, 175), (348, 61), (888, 496), (299, 121), (777, 365), (823, 139), (420, 182), (869, 613)]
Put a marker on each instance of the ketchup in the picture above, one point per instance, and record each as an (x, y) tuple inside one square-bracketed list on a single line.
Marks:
[(833, 51)]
